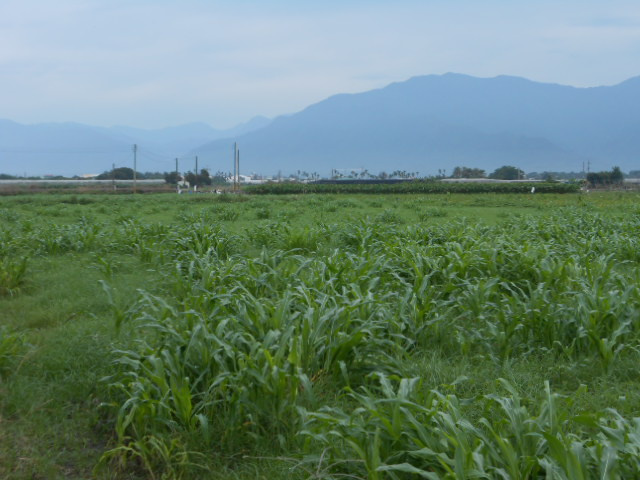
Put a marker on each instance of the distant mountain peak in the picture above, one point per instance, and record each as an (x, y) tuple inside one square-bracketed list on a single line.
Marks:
[(439, 121), (422, 124)]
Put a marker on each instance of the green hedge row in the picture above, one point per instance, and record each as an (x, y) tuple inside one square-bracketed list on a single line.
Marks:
[(417, 186)]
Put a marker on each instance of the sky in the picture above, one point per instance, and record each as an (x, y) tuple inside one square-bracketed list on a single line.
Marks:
[(157, 63)]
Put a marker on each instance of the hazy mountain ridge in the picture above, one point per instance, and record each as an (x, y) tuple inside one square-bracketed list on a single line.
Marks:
[(74, 149), (423, 124), (432, 122)]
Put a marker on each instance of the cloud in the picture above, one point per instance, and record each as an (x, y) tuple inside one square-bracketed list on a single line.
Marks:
[(154, 63)]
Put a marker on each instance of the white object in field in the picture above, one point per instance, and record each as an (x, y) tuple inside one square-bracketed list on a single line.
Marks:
[(533, 189)]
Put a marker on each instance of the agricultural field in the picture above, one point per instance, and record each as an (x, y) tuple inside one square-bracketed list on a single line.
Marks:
[(320, 336)]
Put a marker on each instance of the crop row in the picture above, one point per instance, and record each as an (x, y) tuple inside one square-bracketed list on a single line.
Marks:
[(417, 186)]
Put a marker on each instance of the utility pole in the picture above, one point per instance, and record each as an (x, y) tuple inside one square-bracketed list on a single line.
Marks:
[(177, 178), (235, 165), (135, 154), (113, 176), (195, 178), (237, 170)]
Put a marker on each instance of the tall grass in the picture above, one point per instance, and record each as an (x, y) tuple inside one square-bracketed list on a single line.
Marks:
[(11, 347)]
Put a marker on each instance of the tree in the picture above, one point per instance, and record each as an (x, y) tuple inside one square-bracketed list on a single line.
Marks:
[(467, 172), (219, 178), (507, 172), (172, 178), (614, 177), (121, 173), (203, 178)]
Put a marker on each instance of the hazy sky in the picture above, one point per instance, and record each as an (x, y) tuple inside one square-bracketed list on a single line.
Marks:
[(154, 63)]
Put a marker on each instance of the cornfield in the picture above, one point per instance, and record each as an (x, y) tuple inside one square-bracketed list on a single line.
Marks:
[(313, 343)]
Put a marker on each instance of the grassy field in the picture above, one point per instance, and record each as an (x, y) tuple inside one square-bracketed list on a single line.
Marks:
[(318, 336)]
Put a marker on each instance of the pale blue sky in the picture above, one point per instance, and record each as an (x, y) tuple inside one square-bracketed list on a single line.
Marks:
[(157, 63)]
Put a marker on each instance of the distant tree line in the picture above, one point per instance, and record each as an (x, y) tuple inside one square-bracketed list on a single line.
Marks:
[(467, 172), (6, 176), (614, 177), (126, 173), (506, 172)]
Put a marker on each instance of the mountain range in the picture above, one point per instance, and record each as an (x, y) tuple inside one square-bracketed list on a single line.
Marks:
[(423, 124), (76, 149), (437, 122)]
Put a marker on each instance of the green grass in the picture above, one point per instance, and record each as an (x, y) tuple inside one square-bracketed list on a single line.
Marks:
[(226, 337)]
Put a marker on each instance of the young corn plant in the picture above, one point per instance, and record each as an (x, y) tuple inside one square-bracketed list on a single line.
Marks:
[(12, 275), (402, 432)]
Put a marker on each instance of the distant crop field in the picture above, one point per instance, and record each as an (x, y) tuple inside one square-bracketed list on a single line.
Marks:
[(416, 186), (26, 186), (318, 336)]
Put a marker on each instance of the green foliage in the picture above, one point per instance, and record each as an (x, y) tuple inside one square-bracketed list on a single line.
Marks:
[(388, 216), (120, 173), (263, 213), (11, 346), (429, 213), (225, 213), (614, 177), (415, 186), (202, 178), (397, 430), (172, 178), (220, 178), (507, 172), (12, 274), (467, 172)]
